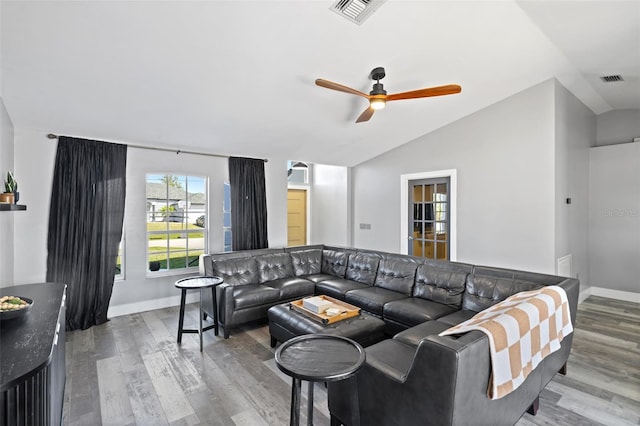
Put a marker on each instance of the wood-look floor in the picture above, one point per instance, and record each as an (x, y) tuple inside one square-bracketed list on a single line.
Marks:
[(131, 371)]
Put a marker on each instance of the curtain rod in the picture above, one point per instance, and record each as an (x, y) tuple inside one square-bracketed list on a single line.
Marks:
[(177, 151)]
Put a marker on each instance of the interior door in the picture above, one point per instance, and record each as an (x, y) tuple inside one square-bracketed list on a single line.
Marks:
[(428, 234), (296, 217)]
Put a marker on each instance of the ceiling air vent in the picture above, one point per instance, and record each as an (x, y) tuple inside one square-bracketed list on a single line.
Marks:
[(356, 10), (611, 78)]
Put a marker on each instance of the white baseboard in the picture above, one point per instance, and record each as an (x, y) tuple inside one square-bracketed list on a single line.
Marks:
[(611, 294), (149, 305)]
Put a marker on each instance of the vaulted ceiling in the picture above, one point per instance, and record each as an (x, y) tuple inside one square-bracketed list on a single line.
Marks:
[(237, 77)]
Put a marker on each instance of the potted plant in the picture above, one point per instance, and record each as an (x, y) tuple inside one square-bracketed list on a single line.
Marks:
[(11, 187)]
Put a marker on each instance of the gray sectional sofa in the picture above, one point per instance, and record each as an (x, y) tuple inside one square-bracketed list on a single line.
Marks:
[(414, 376)]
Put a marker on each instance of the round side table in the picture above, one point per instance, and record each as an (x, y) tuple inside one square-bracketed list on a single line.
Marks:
[(318, 358), (198, 283)]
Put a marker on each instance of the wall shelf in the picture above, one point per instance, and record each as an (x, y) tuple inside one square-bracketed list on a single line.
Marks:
[(11, 207)]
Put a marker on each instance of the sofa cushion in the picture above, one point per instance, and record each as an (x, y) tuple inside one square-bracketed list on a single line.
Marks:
[(412, 336), (250, 295), (291, 288), (362, 267), (439, 285), (236, 271), (482, 291), (306, 262), (337, 287), (397, 275), (274, 267), (334, 263), (414, 311), (372, 299)]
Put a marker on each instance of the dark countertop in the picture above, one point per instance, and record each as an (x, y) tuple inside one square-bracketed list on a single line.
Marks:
[(26, 342)]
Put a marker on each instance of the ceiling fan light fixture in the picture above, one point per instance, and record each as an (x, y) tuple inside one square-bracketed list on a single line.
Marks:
[(377, 103), (378, 96)]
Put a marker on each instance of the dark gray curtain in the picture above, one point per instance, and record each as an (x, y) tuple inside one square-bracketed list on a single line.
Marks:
[(248, 204), (85, 225)]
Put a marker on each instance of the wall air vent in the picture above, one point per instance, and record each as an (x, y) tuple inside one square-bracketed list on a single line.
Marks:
[(356, 10), (611, 78)]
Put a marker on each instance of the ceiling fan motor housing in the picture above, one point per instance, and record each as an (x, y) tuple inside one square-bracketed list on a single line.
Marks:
[(377, 74), (378, 89)]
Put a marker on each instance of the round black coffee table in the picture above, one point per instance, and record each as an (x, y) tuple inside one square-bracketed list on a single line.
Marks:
[(198, 283), (317, 358)]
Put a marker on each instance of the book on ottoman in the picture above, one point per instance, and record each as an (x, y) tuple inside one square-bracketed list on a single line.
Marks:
[(316, 304)]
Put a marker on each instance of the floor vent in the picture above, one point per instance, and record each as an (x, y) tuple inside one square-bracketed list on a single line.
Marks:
[(356, 10), (611, 78)]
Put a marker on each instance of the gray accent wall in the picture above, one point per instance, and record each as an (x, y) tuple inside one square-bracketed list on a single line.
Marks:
[(504, 157), (614, 240), (575, 133)]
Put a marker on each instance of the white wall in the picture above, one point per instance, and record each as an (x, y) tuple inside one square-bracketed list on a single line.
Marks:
[(276, 181), (35, 156), (34, 161), (330, 206), (7, 218), (504, 157), (575, 133), (618, 126), (614, 240)]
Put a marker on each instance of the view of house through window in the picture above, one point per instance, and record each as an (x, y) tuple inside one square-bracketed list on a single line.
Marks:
[(176, 221)]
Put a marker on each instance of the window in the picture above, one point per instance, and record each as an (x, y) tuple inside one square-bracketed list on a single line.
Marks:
[(429, 221), (176, 221), (297, 172), (226, 217), (120, 260), (442, 218)]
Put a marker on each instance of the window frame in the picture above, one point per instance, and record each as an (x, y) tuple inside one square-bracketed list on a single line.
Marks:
[(167, 201)]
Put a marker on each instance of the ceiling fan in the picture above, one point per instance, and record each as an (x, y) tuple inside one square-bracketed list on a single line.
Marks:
[(378, 96)]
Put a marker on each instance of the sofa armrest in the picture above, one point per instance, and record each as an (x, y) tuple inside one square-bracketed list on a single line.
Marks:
[(225, 301), (391, 358), (205, 266)]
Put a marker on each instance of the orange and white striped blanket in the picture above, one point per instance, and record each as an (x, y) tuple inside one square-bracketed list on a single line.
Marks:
[(522, 329)]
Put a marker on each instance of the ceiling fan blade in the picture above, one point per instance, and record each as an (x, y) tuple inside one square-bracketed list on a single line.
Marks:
[(366, 115), (339, 87), (449, 89)]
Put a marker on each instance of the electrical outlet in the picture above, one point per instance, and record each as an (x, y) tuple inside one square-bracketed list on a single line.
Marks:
[(366, 226)]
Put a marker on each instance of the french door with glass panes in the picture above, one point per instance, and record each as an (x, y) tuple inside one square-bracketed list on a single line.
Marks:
[(429, 218)]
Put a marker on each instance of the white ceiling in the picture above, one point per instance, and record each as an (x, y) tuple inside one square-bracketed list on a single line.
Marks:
[(237, 77)]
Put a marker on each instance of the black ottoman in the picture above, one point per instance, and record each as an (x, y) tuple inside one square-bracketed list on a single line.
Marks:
[(285, 323)]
